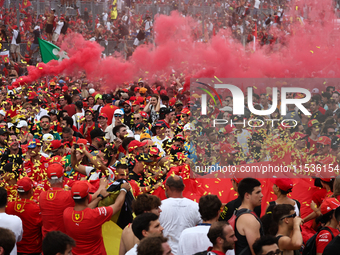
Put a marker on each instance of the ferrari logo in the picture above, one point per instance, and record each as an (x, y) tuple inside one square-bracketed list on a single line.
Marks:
[(77, 216), (18, 207), (25, 2), (50, 196)]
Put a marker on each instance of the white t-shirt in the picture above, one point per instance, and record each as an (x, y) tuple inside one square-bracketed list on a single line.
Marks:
[(77, 117), (178, 214), (148, 25), (193, 240), (257, 4), (14, 38), (59, 26), (159, 144), (242, 139), (13, 223), (132, 251)]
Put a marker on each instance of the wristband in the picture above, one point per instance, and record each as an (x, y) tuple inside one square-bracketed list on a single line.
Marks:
[(123, 189), (101, 196)]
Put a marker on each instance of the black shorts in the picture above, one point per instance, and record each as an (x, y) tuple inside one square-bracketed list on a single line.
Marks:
[(49, 29)]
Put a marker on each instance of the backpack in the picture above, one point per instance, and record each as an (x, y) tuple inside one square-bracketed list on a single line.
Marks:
[(18, 40), (310, 248)]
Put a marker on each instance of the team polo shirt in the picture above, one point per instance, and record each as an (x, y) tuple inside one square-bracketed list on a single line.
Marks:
[(85, 227), (319, 195), (29, 212), (324, 238), (52, 205)]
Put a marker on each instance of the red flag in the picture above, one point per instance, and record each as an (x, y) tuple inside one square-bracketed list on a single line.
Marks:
[(2, 3), (5, 58), (26, 3)]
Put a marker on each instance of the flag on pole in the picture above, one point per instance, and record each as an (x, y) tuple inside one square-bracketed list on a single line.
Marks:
[(49, 51), (26, 3)]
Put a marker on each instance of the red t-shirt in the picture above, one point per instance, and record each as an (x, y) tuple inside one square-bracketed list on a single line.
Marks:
[(88, 135), (52, 205), (109, 109), (312, 146), (324, 238), (29, 213), (71, 109), (85, 227), (320, 195)]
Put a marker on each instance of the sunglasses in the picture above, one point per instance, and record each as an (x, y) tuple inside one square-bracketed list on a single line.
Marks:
[(277, 252), (331, 133), (289, 216), (136, 118), (126, 106), (118, 115)]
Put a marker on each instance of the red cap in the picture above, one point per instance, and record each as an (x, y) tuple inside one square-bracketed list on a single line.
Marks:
[(313, 123), (163, 92), (80, 189), (136, 103), (55, 171), (284, 184), (135, 144), (227, 148), (25, 184), (329, 204), (56, 144), (185, 111), (172, 101), (154, 151), (144, 115), (237, 180), (103, 115), (136, 89), (326, 179), (229, 129), (64, 88), (298, 136), (324, 140), (85, 104), (83, 141)]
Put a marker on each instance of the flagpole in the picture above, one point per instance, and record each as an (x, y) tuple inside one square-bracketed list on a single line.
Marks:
[(18, 15)]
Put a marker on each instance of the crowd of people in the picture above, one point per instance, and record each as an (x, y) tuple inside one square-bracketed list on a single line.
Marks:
[(74, 159)]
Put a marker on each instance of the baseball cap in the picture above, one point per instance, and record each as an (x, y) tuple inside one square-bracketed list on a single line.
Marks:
[(185, 111), (298, 136), (144, 114), (227, 148), (56, 144), (145, 136), (33, 143), (237, 179), (313, 123), (329, 204), (79, 104), (55, 171), (144, 158), (97, 132), (324, 140), (47, 138), (25, 184), (53, 111), (136, 103), (135, 144), (315, 91), (104, 115), (335, 142), (22, 123), (154, 151), (229, 129), (3, 131), (160, 124), (80, 189), (178, 103), (284, 184), (139, 126), (119, 111)]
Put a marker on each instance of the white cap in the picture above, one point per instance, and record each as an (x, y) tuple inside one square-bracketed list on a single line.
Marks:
[(2, 112), (47, 138), (91, 91), (9, 125), (119, 111), (22, 123), (226, 109), (315, 90), (188, 126), (36, 28)]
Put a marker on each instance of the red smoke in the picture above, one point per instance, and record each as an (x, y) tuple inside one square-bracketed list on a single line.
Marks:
[(310, 51)]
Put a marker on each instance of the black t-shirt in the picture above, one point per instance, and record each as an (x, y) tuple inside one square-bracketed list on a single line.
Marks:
[(128, 120), (333, 247), (230, 207), (36, 36)]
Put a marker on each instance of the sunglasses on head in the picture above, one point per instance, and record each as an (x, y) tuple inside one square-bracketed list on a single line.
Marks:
[(289, 216), (118, 115), (136, 118), (277, 252)]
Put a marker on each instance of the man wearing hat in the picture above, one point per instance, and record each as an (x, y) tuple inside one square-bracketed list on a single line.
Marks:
[(35, 164), (81, 218), (160, 136), (103, 120), (135, 147), (57, 148), (139, 128), (98, 140), (30, 215), (323, 146)]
